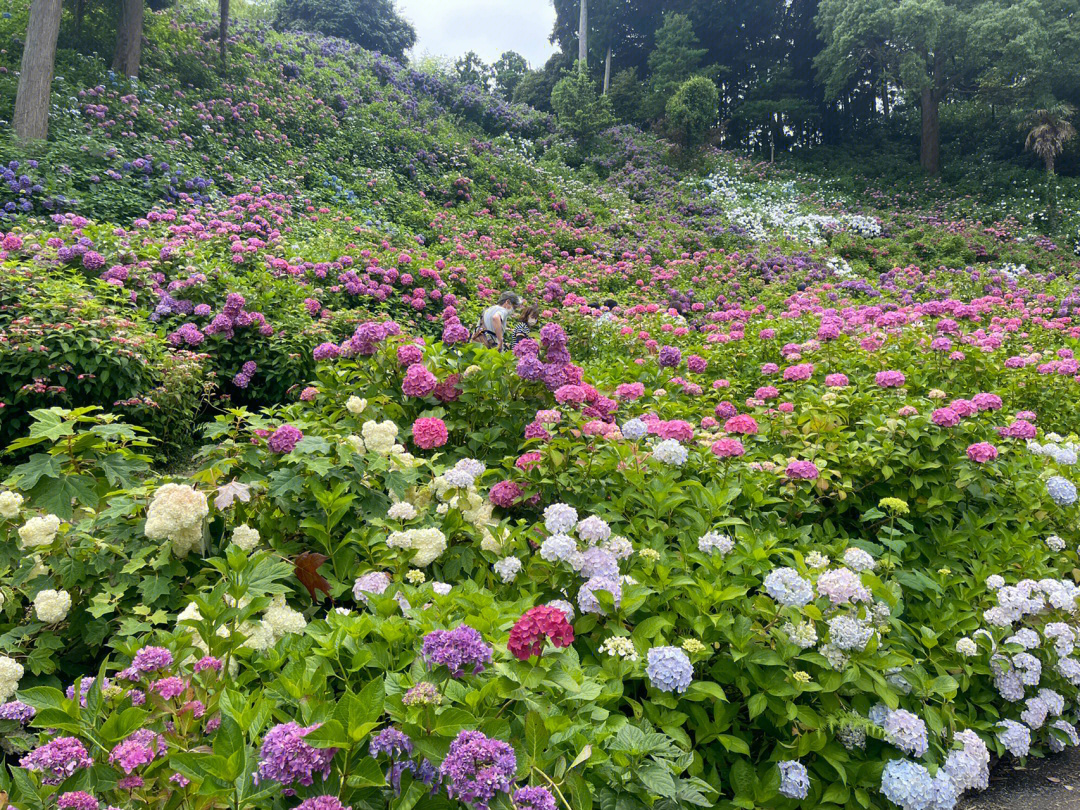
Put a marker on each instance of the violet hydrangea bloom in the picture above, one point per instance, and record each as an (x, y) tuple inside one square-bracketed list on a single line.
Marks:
[(17, 710), (287, 759), (137, 750), (57, 759), (77, 800), (477, 767), (456, 649), (533, 798), (152, 659), (322, 803)]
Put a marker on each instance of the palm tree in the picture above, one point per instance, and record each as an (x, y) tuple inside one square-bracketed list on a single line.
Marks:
[(1048, 131)]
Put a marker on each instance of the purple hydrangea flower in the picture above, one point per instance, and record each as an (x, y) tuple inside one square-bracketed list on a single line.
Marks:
[(151, 659), (463, 646), (284, 439), (287, 759), (57, 759), (669, 669), (477, 767)]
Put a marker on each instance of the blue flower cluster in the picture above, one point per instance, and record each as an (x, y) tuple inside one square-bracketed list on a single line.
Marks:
[(669, 669)]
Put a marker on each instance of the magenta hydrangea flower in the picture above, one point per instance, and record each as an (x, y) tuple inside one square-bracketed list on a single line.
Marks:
[(505, 494), (77, 800), (429, 432), (169, 688), (805, 470), (418, 381), (982, 452), (322, 803), (836, 380), (284, 439), (890, 379), (137, 750), (287, 759)]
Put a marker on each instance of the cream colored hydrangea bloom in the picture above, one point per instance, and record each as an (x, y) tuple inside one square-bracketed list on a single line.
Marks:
[(52, 606), (176, 513), (39, 531)]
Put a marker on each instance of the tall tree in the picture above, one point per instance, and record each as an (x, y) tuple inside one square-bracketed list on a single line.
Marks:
[(936, 50), (36, 73), (583, 36), (223, 33), (509, 70), (128, 53), (674, 60)]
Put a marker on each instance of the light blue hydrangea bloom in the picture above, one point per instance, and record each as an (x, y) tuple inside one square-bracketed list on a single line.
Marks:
[(669, 669), (1062, 490), (794, 780)]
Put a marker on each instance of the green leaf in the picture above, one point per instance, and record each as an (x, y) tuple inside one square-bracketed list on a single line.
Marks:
[(702, 690)]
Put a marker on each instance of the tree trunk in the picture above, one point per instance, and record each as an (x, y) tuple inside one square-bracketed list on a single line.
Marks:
[(128, 53), (583, 34), (607, 69), (1050, 165), (930, 146), (36, 73), (885, 96), (223, 33)]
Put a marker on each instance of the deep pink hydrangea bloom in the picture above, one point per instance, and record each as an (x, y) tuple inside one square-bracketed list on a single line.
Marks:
[(806, 470), (284, 439), (982, 452), (505, 494), (418, 381), (741, 424), (727, 448), (429, 432), (890, 379)]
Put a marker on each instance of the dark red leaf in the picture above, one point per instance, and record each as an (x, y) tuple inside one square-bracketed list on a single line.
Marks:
[(306, 568)]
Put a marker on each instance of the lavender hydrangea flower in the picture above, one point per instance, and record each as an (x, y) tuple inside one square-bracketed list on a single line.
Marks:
[(634, 429), (1066, 729), (587, 601), (907, 784), (152, 659), (18, 711), (456, 649), (1061, 490), (788, 588), (477, 767), (287, 759), (669, 669), (1015, 737), (794, 780), (969, 767), (906, 731), (57, 759)]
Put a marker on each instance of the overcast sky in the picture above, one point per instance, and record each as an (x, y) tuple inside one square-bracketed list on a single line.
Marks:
[(489, 27)]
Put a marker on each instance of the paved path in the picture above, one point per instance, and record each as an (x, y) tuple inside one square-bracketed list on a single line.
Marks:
[(1045, 784)]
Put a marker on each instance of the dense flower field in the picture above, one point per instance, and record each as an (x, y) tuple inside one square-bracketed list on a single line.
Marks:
[(777, 508)]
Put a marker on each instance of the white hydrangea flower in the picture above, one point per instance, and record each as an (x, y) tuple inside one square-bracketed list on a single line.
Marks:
[(52, 606), (282, 619), (355, 405), (10, 504), (11, 672), (507, 568), (402, 510), (246, 537), (858, 560), (176, 513), (260, 635), (379, 437), (39, 531), (441, 588), (490, 543), (428, 544), (620, 647), (967, 647), (815, 561)]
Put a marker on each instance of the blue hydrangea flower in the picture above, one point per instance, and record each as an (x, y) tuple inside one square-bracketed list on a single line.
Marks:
[(634, 429), (908, 785), (906, 731), (1061, 490), (794, 780), (788, 588), (1015, 737), (669, 669)]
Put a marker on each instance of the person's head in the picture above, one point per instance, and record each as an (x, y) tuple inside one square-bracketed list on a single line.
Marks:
[(510, 301), (611, 303), (530, 315)]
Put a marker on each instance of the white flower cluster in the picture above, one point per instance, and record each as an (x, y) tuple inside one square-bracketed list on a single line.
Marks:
[(246, 537), (11, 672), (428, 544), (51, 607), (10, 504), (867, 227), (1028, 597), (507, 568), (620, 647), (39, 531), (402, 510), (1062, 452), (379, 437), (715, 543), (176, 513), (355, 405)]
